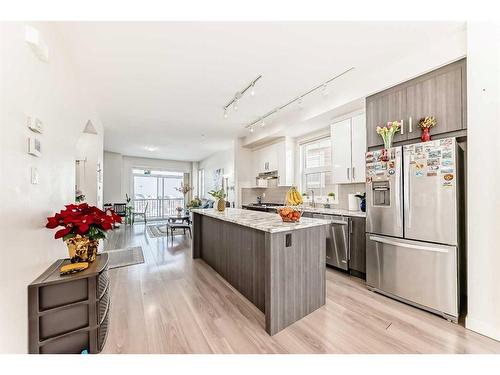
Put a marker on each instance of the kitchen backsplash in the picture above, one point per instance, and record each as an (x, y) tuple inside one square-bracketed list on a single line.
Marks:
[(271, 195), (277, 194), (345, 190)]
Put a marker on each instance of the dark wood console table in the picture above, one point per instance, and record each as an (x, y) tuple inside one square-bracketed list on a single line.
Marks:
[(68, 314)]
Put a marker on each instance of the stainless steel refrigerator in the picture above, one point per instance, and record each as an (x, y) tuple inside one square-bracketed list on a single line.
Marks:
[(415, 224)]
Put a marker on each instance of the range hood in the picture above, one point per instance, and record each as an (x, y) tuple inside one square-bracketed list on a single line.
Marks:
[(267, 179)]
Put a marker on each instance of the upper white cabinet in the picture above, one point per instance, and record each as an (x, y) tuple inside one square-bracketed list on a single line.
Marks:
[(277, 156), (348, 139)]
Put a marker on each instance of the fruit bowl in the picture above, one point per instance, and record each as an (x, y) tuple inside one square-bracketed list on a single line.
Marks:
[(290, 214)]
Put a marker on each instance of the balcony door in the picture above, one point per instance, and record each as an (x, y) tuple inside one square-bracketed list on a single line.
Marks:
[(155, 192)]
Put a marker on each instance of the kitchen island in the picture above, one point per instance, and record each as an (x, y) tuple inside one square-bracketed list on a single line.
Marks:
[(280, 267)]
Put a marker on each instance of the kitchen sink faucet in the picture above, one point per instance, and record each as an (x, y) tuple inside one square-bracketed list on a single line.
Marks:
[(313, 202)]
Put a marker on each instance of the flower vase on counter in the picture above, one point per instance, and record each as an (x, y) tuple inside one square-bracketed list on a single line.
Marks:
[(219, 195)]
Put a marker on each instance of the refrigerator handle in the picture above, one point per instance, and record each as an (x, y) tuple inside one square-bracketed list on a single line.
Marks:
[(407, 245), (397, 183), (406, 187)]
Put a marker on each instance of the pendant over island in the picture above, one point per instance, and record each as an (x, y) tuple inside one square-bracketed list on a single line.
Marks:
[(279, 267)]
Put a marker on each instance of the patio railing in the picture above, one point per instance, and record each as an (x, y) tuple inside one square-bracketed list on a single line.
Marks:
[(158, 208)]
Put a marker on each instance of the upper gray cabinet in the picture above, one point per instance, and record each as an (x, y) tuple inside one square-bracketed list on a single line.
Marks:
[(389, 105), (440, 93)]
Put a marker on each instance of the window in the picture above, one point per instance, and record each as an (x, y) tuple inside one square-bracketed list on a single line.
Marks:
[(316, 165), (201, 183), (155, 192)]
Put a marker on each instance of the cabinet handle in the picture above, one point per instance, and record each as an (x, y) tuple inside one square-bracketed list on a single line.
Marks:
[(353, 174), (348, 173), (410, 125), (402, 127)]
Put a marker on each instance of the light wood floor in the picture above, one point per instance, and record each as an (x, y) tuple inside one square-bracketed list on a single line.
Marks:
[(174, 304)]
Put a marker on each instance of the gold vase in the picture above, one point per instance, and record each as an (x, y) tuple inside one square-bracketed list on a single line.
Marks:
[(221, 205), (82, 249)]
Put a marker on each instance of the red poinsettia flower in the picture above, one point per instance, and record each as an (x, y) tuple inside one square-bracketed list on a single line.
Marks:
[(84, 220)]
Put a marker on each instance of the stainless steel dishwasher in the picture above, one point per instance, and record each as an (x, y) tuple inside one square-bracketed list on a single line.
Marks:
[(337, 241)]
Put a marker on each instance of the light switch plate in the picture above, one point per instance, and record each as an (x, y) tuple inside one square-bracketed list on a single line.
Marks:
[(34, 176)]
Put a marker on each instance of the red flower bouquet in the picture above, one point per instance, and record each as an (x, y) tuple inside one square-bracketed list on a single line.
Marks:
[(83, 227)]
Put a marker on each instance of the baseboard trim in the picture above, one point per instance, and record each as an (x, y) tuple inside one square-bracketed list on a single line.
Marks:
[(483, 328)]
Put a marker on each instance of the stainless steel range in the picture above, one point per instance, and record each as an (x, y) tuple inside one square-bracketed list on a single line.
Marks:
[(415, 224)]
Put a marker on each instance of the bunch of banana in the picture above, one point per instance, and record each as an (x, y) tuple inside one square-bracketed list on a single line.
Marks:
[(293, 197)]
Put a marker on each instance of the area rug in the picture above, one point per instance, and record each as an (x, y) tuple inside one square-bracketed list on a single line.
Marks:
[(125, 257), (155, 231)]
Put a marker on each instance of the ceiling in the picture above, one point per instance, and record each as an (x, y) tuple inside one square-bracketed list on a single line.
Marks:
[(159, 87)]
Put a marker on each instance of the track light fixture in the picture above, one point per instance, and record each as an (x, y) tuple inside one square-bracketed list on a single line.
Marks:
[(297, 100), (234, 101)]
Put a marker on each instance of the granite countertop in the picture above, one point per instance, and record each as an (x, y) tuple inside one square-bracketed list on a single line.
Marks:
[(264, 221)]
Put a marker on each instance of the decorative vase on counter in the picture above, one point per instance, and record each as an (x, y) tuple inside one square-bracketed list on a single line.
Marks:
[(82, 249), (221, 205), (426, 135), (362, 205)]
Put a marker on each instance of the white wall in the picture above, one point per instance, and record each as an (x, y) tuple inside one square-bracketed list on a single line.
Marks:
[(89, 148), (483, 97), (222, 159), (113, 178), (52, 92), (243, 170), (118, 179)]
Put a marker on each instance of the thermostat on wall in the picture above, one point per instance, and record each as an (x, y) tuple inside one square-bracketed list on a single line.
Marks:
[(35, 124), (34, 146)]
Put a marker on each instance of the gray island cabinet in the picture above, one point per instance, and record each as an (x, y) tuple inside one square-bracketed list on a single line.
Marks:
[(279, 267)]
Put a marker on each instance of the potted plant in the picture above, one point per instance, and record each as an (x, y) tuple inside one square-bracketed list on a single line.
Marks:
[(82, 228), (331, 196), (219, 196), (426, 124), (129, 210), (195, 203)]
